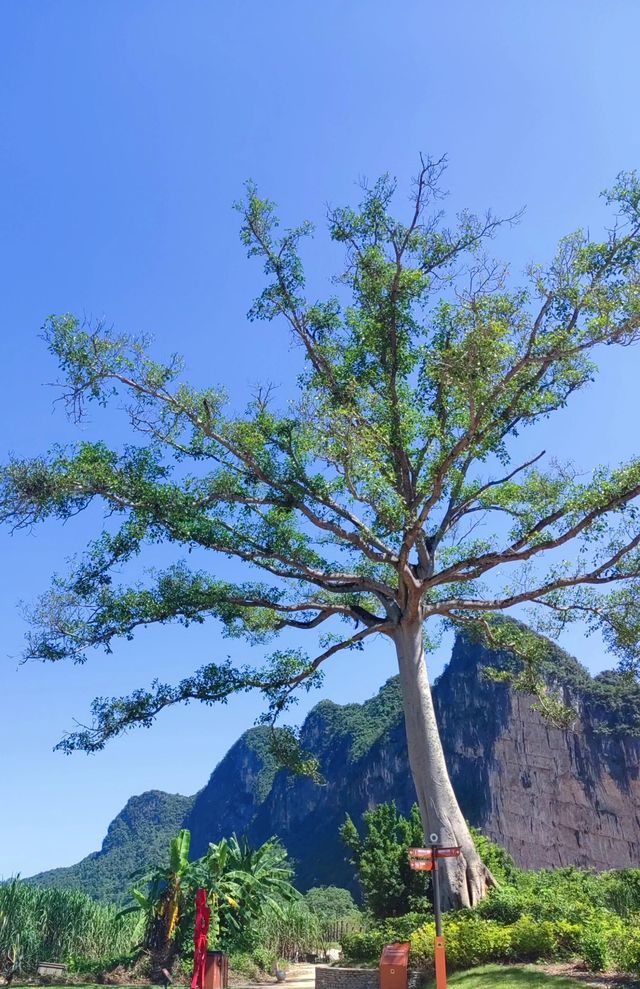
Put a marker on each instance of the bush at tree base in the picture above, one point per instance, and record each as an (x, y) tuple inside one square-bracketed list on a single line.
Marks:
[(546, 915)]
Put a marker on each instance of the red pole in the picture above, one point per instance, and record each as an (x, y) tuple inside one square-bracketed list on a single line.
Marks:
[(438, 950), (441, 964)]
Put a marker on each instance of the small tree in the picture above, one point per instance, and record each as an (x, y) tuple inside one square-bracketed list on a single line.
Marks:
[(390, 887), (336, 911), (388, 496), (330, 902)]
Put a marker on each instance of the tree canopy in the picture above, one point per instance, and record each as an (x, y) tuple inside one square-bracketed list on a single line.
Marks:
[(387, 491), (380, 855)]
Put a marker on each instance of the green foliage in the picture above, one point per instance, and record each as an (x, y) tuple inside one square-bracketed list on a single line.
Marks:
[(531, 916), (330, 902), (621, 891), (571, 894), (390, 887), (629, 952), (243, 884), (380, 856), (610, 700), (363, 946), (595, 948), (168, 892), (39, 924), (498, 861), (293, 931), (259, 740), (360, 725), (247, 890), (470, 941), (138, 839), (353, 498)]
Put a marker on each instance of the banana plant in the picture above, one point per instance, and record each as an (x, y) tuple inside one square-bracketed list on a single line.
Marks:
[(243, 884), (167, 892)]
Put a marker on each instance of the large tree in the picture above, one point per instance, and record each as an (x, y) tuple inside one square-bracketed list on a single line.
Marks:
[(386, 496)]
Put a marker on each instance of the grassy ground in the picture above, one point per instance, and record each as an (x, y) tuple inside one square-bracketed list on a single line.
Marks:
[(485, 977), (508, 977)]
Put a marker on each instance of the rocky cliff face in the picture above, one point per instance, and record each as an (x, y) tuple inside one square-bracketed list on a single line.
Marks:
[(550, 797)]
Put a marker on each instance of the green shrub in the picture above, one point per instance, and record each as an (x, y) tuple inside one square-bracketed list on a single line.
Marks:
[(242, 963), (594, 948), (627, 953), (504, 904), (545, 915), (473, 941), (470, 941), (533, 940), (567, 937), (401, 928), (363, 946), (496, 858), (621, 891)]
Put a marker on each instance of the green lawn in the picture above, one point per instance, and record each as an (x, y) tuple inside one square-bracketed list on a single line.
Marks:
[(508, 977)]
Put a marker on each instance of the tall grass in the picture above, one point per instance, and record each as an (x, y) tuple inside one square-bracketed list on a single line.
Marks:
[(292, 933), (40, 924)]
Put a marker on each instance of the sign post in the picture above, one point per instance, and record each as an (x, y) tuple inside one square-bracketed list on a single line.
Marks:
[(426, 860)]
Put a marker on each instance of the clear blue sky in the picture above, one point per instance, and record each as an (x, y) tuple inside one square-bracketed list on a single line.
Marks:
[(126, 131)]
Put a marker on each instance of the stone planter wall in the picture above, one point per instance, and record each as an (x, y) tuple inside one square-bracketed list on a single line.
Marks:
[(346, 978), (356, 978)]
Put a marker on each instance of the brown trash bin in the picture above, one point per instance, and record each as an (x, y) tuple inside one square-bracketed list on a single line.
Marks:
[(394, 965), (216, 973)]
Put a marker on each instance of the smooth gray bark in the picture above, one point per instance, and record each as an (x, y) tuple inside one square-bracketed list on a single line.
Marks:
[(465, 880)]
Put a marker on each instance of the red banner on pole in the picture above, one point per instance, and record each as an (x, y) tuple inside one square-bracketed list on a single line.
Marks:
[(200, 939)]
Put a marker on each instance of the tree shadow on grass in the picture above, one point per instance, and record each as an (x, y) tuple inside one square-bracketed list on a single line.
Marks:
[(515, 977), (507, 977)]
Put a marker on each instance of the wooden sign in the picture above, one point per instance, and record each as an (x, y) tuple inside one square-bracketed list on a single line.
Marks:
[(422, 858)]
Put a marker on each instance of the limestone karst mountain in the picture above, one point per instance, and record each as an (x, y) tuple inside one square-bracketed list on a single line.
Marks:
[(550, 797)]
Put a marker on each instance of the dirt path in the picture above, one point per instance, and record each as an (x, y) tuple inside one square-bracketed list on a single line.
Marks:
[(298, 977)]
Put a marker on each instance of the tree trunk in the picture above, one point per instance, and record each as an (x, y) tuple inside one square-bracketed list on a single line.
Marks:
[(465, 880)]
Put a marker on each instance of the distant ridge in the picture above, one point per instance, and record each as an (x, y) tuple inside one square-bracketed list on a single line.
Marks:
[(138, 837)]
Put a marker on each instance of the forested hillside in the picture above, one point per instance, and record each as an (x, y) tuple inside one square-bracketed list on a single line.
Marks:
[(138, 837)]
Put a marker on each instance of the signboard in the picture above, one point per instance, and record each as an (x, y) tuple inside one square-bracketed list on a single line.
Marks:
[(421, 859), (426, 860)]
